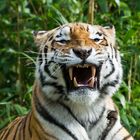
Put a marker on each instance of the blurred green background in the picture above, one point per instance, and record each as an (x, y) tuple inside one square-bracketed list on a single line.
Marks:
[(18, 18)]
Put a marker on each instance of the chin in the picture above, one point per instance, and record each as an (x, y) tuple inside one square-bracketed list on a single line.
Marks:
[(86, 96)]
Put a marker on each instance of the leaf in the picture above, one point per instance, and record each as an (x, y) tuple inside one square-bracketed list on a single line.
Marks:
[(2, 5), (129, 34), (124, 118), (117, 2), (124, 7), (62, 19), (103, 5), (20, 109), (121, 99), (132, 120)]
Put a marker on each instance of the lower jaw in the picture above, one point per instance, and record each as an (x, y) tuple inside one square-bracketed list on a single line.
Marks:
[(78, 89), (83, 96), (82, 91)]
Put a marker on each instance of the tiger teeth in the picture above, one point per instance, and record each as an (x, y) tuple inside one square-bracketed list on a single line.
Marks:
[(93, 69), (82, 66), (91, 84), (91, 81), (77, 66), (75, 82), (70, 73)]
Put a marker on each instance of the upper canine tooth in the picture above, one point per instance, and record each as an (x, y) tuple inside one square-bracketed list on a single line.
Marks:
[(70, 73), (93, 71)]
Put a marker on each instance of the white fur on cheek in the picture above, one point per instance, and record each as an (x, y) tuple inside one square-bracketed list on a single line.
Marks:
[(111, 74)]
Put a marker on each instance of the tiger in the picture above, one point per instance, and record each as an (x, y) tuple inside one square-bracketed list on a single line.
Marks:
[(78, 70)]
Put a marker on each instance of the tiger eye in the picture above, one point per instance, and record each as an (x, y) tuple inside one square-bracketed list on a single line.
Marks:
[(96, 39)]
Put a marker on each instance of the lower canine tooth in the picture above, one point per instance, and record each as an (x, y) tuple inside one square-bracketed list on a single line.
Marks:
[(70, 73), (91, 84), (75, 82)]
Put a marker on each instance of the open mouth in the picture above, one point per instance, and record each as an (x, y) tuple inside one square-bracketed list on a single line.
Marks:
[(83, 76)]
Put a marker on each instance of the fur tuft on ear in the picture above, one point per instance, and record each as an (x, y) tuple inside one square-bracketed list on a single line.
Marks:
[(108, 26), (35, 33)]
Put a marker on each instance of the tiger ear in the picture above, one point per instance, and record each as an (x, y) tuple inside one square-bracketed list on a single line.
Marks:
[(38, 33), (39, 37), (110, 29)]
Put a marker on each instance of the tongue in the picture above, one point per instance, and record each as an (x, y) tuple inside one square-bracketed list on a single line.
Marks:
[(88, 83)]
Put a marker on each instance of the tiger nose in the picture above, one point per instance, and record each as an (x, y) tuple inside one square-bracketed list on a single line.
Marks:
[(82, 53)]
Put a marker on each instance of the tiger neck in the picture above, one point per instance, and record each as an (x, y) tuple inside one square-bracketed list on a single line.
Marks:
[(82, 112), (58, 113)]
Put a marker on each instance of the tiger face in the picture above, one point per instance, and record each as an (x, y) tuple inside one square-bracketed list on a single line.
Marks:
[(78, 62)]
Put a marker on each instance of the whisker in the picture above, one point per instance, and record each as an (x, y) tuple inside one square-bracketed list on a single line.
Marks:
[(29, 64), (57, 69), (30, 51)]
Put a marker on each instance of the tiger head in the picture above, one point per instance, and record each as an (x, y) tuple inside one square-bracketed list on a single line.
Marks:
[(78, 62)]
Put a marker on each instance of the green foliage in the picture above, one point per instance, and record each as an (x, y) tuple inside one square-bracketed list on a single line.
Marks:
[(18, 53)]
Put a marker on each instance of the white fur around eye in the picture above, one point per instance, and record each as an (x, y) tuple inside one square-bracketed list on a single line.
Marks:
[(96, 37), (63, 35)]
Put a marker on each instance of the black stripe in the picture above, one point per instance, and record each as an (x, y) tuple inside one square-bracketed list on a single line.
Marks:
[(42, 78), (116, 54), (103, 43), (46, 116), (58, 87), (28, 127), (37, 133), (44, 132), (50, 38), (22, 128), (45, 52), (98, 52), (98, 75), (116, 133), (47, 70), (24, 124), (127, 137), (94, 123), (40, 58), (112, 51), (6, 131), (17, 129), (100, 34), (71, 113), (67, 81), (113, 69), (112, 117), (105, 86), (46, 67)]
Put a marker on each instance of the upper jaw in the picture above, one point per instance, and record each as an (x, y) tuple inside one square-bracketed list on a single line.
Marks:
[(82, 76)]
